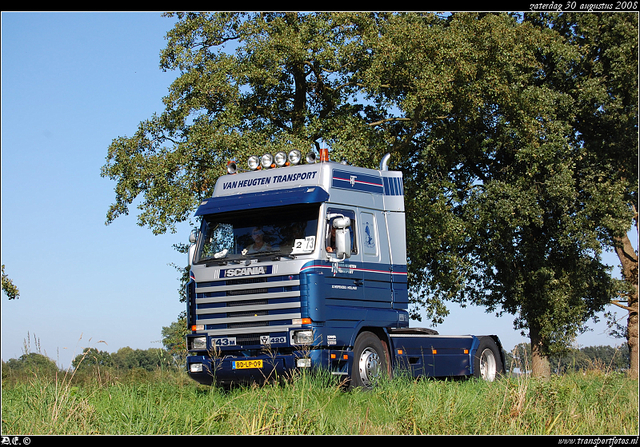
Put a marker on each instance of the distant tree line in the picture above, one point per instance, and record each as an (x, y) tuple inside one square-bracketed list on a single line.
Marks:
[(125, 359), (604, 358)]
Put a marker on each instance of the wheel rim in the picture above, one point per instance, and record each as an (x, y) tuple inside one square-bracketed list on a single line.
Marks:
[(369, 367), (488, 365)]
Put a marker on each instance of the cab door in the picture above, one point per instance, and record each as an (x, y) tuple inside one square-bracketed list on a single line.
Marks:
[(344, 281), (376, 268)]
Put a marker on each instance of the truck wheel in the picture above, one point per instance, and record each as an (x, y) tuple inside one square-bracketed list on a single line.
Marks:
[(369, 361), (487, 363)]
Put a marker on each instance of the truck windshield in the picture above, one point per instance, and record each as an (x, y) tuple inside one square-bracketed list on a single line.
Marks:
[(282, 231)]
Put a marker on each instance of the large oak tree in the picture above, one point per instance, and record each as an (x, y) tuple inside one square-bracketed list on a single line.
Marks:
[(510, 198), (603, 83)]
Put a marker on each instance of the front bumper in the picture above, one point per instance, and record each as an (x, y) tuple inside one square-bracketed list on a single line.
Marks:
[(227, 370)]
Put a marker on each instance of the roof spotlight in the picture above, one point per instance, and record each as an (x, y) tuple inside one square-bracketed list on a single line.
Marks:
[(254, 163), (295, 156), (267, 161), (281, 159)]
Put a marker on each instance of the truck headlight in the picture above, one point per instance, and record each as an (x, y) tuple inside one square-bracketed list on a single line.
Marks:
[(195, 367), (304, 337), (303, 363), (198, 343)]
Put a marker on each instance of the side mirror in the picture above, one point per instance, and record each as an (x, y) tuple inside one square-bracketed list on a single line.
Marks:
[(343, 237), (193, 237)]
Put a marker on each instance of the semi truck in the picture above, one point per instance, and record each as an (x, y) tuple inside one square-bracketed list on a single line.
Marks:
[(301, 264)]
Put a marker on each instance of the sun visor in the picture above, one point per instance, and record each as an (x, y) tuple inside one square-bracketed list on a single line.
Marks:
[(267, 199)]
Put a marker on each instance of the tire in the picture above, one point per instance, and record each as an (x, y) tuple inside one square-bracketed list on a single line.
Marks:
[(487, 362), (369, 361)]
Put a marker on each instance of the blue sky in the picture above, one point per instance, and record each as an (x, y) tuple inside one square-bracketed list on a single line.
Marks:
[(71, 83)]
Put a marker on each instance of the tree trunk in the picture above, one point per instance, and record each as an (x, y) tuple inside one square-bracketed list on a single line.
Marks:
[(540, 366), (632, 334), (629, 263)]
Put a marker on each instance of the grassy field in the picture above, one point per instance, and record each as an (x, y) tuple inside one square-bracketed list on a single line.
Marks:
[(160, 403)]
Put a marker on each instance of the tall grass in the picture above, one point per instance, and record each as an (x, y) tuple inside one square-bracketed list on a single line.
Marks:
[(168, 402)]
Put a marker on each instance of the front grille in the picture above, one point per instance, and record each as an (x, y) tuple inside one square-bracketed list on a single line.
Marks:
[(246, 292), (233, 282), (249, 307), (247, 303), (248, 340)]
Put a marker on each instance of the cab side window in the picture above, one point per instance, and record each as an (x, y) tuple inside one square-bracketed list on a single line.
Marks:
[(332, 214), (368, 234)]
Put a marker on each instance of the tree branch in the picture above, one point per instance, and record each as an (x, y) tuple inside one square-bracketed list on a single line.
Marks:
[(388, 120), (622, 306)]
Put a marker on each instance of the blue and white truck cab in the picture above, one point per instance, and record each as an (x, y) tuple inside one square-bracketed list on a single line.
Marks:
[(302, 264)]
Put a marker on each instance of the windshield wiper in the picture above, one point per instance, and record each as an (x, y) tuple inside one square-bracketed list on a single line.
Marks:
[(261, 255), (283, 255)]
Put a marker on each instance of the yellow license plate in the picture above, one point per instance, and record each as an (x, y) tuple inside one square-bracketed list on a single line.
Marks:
[(247, 364)]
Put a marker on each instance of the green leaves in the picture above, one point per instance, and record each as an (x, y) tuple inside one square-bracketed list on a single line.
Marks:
[(8, 287), (516, 134), (247, 83)]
